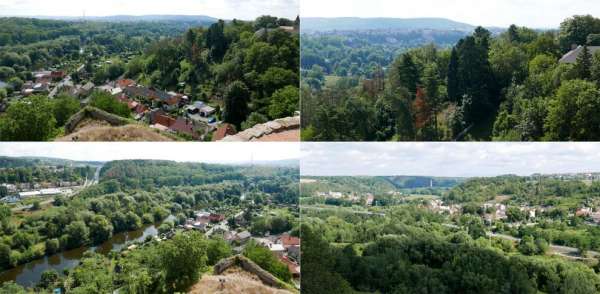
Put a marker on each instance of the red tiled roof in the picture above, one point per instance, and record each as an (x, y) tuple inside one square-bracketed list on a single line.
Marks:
[(292, 266), (215, 217), (288, 240), (141, 108), (125, 83), (182, 125), (173, 100), (222, 131), (164, 120)]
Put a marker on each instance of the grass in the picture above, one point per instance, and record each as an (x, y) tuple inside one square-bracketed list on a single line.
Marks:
[(132, 132)]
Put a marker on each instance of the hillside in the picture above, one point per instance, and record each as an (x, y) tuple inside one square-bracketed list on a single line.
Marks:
[(346, 184), (310, 24), (13, 162), (410, 182), (135, 18), (234, 280)]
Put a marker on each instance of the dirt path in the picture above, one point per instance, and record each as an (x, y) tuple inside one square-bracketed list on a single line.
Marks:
[(233, 281)]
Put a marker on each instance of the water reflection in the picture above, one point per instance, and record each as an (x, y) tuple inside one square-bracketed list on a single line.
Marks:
[(30, 273)]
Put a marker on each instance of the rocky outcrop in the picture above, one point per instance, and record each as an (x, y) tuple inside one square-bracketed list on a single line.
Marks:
[(249, 266), (93, 113), (261, 130)]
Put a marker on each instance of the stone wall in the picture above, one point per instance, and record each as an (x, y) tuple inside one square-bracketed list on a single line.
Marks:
[(93, 113), (249, 266), (259, 130)]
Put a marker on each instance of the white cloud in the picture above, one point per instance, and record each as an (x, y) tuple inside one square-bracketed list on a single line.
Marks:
[(226, 9), (532, 13), (179, 151), (448, 159)]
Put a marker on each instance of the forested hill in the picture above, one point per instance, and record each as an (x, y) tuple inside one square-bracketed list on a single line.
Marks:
[(142, 173), (199, 19), (312, 24), (13, 162), (410, 182), (377, 185)]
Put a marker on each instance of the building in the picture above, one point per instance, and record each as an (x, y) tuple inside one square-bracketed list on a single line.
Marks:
[(223, 131), (184, 126), (159, 117), (571, 56), (276, 248), (293, 266), (287, 241), (216, 217), (244, 236), (369, 200)]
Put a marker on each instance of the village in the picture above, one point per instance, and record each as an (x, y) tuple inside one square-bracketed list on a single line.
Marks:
[(514, 215), (166, 111), (284, 246)]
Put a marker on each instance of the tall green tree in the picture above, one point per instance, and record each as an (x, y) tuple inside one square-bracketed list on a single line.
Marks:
[(453, 87), (237, 97), (583, 63), (29, 119), (405, 74)]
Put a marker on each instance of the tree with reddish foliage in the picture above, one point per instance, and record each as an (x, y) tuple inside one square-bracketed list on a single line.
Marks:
[(421, 109)]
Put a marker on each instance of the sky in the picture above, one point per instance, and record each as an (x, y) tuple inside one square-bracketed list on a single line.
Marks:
[(447, 159), (225, 9), (502, 13), (176, 151)]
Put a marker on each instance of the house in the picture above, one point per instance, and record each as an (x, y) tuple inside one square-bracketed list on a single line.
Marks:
[(287, 241), (41, 87), (108, 88), (370, 199), (124, 83), (216, 217), (201, 109), (42, 76), (571, 56), (336, 195), (294, 252), (223, 131), (171, 103), (244, 236), (584, 211), (57, 74), (184, 126), (203, 216), (159, 117), (277, 248), (86, 89), (293, 267), (265, 242), (265, 31)]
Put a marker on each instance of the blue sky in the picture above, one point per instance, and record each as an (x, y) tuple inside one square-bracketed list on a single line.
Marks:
[(178, 151), (226, 9), (532, 13), (448, 159)]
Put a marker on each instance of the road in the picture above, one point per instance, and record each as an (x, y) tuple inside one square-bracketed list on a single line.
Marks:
[(345, 210), (569, 252), (96, 178), (87, 183)]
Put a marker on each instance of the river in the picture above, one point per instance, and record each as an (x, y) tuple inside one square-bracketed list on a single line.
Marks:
[(29, 274)]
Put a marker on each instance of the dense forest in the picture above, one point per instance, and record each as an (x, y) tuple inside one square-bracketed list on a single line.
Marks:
[(409, 251), (247, 70), (507, 86), (154, 192)]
